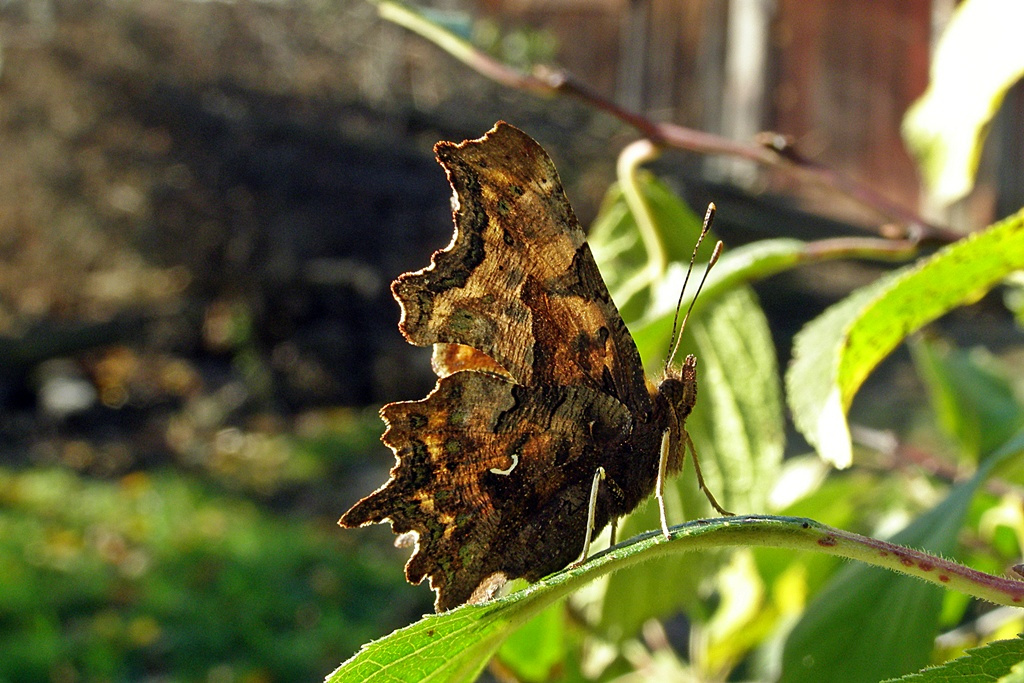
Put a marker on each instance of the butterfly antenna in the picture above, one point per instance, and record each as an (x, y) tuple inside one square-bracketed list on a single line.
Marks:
[(677, 327)]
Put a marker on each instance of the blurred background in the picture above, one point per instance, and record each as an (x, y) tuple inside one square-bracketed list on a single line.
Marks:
[(201, 207)]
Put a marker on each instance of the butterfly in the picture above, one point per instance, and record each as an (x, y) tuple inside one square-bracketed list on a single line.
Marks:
[(542, 427)]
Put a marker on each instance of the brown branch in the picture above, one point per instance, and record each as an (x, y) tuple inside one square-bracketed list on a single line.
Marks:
[(768, 149)]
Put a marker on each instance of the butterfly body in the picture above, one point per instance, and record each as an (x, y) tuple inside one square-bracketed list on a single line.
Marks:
[(539, 386)]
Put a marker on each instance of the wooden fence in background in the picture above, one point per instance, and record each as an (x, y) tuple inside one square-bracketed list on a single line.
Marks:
[(836, 75)]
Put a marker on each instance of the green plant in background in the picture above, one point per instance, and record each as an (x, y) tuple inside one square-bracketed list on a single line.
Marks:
[(755, 611), (161, 571)]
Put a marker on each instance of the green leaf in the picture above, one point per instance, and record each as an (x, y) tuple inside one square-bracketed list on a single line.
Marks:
[(737, 428), (453, 646), (869, 624), (979, 56), (660, 587), (1001, 660), (1014, 296), (971, 395), (737, 424), (534, 650), (439, 648), (735, 268), (738, 418), (623, 260), (835, 353), (621, 253)]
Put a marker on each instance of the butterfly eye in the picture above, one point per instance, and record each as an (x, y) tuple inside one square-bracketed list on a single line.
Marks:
[(672, 389), (679, 393)]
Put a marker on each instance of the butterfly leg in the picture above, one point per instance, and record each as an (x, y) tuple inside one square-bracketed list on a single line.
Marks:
[(591, 514), (659, 485), (688, 442)]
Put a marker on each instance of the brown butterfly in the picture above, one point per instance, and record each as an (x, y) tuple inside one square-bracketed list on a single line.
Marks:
[(542, 427)]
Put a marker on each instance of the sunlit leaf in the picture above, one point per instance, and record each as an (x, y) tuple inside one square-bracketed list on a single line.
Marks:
[(979, 56), (1002, 661), (835, 353), (455, 646)]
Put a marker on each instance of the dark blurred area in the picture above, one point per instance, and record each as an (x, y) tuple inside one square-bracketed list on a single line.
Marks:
[(202, 205), (201, 213), (201, 208)]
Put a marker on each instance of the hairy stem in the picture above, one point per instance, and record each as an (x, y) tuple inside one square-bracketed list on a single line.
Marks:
[(796, 533)]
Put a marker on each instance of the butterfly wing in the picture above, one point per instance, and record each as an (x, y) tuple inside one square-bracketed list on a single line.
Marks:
[(539, 384), (518, 281), (494, 478)]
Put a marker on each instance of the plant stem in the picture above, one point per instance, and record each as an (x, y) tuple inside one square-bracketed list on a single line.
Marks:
[(630, 159), (796, 533)]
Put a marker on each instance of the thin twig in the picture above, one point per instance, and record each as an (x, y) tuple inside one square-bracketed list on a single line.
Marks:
[(768, 149)]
